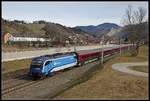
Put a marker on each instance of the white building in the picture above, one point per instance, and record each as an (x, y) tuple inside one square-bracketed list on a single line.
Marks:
[(15, 37), (25, 39)]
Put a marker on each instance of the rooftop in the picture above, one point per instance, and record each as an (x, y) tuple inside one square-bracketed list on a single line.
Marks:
[(25, 35)]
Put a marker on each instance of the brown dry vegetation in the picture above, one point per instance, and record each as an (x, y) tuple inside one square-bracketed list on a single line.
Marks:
[(15, 65), (110, 84), (140, 68)]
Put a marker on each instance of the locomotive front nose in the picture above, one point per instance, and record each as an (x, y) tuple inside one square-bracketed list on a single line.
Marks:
[(35, 70)]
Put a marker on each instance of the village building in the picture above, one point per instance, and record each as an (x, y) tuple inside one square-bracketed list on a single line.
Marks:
[(22, 37)]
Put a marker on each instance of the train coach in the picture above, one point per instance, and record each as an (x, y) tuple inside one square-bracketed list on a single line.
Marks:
[(87, 56)]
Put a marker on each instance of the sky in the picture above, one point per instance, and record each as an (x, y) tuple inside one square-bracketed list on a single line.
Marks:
[(70, 14)]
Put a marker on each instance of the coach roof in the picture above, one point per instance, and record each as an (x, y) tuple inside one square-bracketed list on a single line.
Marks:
[(88, 51)]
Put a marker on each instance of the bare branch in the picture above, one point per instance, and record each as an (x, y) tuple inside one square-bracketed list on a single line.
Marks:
[(142, 14), (128, 16), (134, 17)]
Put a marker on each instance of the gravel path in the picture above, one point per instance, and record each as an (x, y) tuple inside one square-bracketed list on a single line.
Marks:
[(123, 67)]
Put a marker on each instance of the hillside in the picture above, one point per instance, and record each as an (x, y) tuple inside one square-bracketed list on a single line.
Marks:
[(80, 35), (99, 30), (56, 32)]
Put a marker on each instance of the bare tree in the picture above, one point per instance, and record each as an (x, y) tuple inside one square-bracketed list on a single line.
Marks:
[(139, 16), (134, 17), (133, 22), (129, 15)]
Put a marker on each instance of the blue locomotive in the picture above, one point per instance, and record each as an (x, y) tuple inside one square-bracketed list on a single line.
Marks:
[(47, 64)]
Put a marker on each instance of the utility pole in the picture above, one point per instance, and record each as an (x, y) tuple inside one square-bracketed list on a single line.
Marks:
[(75, 42), (120, 45), (128, 47), (75, 49), (102, 54)]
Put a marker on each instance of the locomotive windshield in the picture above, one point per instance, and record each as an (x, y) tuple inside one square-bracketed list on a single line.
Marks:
[(37, 63)]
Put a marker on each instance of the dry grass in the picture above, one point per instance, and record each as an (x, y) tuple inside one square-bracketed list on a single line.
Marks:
[(111, 84), (15, 65), (140, 68)]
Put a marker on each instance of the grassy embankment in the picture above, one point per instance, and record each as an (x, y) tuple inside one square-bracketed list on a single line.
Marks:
[(15, 65), (110, 84), (140, 68)]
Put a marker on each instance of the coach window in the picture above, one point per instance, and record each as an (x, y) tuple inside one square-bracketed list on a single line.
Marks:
[(47, 63)]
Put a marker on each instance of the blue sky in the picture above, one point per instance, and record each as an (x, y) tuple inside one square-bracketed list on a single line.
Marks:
[(69, 13)]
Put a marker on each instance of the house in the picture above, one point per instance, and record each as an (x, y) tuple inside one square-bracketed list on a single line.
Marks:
[(6, 37), (22, 37)]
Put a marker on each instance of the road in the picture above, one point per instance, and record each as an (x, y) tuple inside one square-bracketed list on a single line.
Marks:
[(124, 67), (10, 56)]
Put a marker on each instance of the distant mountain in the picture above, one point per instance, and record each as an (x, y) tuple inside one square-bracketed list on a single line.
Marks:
[(123, 31), (108, 26), (114, 31), (99, 30)]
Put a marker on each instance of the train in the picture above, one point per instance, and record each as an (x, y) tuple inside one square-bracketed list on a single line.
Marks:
[(45, 65)]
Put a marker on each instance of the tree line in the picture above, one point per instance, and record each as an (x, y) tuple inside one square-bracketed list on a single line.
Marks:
[(136, 25)]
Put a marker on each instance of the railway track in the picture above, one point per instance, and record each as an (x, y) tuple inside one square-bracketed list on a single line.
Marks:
[(14, 79), (19, 86), (21, 82)]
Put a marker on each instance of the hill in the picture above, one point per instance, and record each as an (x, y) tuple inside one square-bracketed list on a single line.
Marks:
[(58, 33), (99, 30)]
